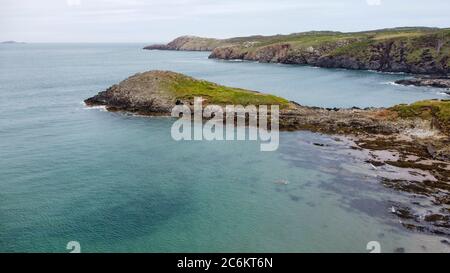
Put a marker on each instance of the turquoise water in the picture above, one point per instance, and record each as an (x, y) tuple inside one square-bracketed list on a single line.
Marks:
[(117, 182)]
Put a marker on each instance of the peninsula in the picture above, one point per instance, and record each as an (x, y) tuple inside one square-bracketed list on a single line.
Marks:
[(155, 93)]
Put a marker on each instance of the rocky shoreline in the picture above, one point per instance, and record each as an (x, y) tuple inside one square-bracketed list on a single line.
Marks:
[(437, 82), (421, 143)]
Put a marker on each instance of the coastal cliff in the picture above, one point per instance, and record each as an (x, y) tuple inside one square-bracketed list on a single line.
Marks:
[(410, 50)]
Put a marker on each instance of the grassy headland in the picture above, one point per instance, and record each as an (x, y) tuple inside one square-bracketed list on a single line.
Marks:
[(159, 91)]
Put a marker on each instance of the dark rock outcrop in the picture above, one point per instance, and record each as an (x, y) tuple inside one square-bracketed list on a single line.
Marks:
[(438, 82), (158, 47), (142, 93)]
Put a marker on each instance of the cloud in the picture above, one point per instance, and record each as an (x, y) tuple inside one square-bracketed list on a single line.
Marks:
[(162, 20)]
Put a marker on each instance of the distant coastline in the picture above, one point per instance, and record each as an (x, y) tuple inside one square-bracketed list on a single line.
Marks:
[(12, 42), (415, 50)]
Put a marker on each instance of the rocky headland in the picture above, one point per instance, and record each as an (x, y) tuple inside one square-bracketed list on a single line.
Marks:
[(416, 136), (409, 50), (188, 43)]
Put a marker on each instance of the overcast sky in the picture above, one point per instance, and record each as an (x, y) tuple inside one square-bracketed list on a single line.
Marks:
[(163, 20)]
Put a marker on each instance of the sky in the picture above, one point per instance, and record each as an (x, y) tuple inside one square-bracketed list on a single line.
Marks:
[(163, 20)]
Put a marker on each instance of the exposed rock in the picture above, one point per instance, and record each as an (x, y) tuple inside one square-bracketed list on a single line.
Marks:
[(438, 82), (399, 250), (431, 150), (158, 47), (140, 93)]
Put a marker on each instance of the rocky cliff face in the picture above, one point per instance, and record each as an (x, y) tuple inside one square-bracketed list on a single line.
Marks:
[(141, 93), (428, 54)]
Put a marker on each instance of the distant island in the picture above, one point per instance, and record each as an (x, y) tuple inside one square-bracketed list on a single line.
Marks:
[(416, 50), (12, 42)]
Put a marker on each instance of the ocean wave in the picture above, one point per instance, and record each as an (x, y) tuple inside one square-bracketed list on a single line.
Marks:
[(96, 107), (392, 83), (386, 72)]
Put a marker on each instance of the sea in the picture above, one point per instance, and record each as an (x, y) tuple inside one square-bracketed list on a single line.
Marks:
[(116, 182)]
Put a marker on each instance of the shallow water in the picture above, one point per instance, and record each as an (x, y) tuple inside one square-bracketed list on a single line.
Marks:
[(116, 182)]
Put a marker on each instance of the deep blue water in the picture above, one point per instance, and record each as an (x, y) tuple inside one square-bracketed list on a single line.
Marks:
[(116, 182)]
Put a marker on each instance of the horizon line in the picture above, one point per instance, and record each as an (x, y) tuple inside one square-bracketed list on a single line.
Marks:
[(224, 38)]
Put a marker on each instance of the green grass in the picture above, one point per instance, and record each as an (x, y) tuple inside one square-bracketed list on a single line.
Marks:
[(202, 43), (185, 87), (353, 49), (427, 109)]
